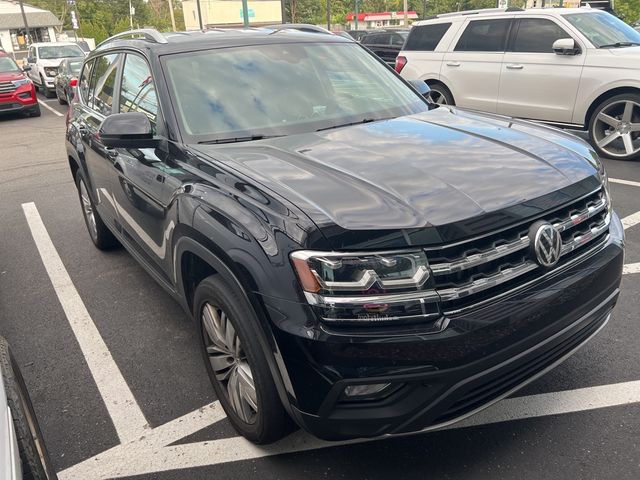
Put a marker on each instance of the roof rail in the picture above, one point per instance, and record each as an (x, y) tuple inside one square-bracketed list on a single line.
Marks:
[(149, 34), (479, 11)]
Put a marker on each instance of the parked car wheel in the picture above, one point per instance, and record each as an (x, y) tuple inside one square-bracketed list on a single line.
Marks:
[(46, 90), (236, 364), (614, 127), (34, 457), (100, 234), (441, 94), (61, 101)]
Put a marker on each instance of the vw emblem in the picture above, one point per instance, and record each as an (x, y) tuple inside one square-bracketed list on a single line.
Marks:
[(547, 243)]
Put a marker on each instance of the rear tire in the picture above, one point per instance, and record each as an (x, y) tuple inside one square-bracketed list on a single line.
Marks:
[(224, 319), (614, 127), (441, 94), (34, 457), (100, 234)]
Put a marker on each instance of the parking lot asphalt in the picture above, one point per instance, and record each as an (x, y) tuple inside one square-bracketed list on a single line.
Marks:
[(120, 389)]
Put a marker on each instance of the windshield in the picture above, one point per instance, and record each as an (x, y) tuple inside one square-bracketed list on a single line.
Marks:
[(603, 29), (74, 67), (60, 51), (283, 89), (8, 65)]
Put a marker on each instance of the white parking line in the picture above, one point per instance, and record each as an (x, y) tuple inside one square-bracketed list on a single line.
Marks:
[(128, 419), (631, 220), (624, 182), (140, 457), (631, 268), (50, 108)]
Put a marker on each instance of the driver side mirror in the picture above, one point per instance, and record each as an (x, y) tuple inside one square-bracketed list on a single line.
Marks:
[(127, 130), (26, 68), (31, 60), (566, 46), (421, 87)]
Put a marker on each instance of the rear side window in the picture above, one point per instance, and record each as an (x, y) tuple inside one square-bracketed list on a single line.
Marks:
[(379, 39), (103, 83), (484, 36), (83, 83), (536, 35), (426, 37)]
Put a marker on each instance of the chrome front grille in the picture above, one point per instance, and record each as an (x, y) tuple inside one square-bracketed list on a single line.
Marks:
[(469, 272), (7, 87)]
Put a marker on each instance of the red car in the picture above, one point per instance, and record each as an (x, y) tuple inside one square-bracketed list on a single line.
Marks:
[(17, 92)]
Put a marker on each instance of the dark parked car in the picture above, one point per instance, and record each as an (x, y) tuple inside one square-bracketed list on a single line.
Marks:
[(359, 34), (355, 257), (386, 44), (68, 70)]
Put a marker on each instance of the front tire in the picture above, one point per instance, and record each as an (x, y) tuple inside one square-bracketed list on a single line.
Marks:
[(34, 457), (441, 94), (61, 101), (236, 364), (614, 127), (45, 90), (35, 111), (100, 234)]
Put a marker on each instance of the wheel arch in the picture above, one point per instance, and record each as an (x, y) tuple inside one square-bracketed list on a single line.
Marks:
[(197, 258), (604, 96)]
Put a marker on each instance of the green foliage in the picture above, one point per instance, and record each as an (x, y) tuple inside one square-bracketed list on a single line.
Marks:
[(628, 9), (100, 19)]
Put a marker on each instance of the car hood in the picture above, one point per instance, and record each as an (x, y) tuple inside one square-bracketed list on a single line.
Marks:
[(11, 76), (53, 62), (428, 170)]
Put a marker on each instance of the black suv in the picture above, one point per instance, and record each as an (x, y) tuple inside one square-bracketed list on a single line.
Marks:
[(356, 258)]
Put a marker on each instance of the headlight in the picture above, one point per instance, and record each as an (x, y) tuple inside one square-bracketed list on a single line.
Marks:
[(50, 72), (22, 81), (367, 287), (604, 178)]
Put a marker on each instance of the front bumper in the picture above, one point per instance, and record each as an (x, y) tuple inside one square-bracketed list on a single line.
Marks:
[(483, 355), (24, 98)]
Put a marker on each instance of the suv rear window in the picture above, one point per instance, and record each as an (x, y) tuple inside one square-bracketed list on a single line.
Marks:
[(426, 37), (484, 36)]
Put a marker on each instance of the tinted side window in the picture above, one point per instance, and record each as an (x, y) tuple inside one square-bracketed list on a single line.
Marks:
[(397, 40), (138, 92), (370, 39), (484, 36), (426, 37), (537, 35), (103, 83), (83, 83)]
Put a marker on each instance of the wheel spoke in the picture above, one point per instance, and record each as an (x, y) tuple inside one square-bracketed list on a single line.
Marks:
[(628, 143), (608, 119), (608, 139), (628, 112), (247, 387), (634, 127)]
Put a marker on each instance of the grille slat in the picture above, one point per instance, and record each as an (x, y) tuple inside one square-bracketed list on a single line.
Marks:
[(464, 271), (7, 87)]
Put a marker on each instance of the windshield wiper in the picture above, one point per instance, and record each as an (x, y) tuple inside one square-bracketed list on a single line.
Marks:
[(619, 45), (248, 138), (359, 122)]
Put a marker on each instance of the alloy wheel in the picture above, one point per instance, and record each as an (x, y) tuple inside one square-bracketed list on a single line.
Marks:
[(438, 97), (87, 210), (229, 362), (616, 129)]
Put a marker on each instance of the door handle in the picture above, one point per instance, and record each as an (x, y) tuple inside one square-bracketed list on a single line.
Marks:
[(514, 66), (453, 64)]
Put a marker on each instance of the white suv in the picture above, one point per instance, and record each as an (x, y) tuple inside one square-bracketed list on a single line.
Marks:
[(44, 60), (575, 67)]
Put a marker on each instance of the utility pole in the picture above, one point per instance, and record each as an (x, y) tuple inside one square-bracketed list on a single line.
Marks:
[(26, 25), (328, 15), (130, 15), (173, 17), (199, 14), (406, 13), (356, 15), (245, 13)]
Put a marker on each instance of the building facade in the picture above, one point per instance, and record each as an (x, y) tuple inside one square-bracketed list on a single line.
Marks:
[(228, 13), (368, 20), (13, 38)]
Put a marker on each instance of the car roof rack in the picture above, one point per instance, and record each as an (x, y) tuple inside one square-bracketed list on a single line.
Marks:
[(479, 11), (148, 34)]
